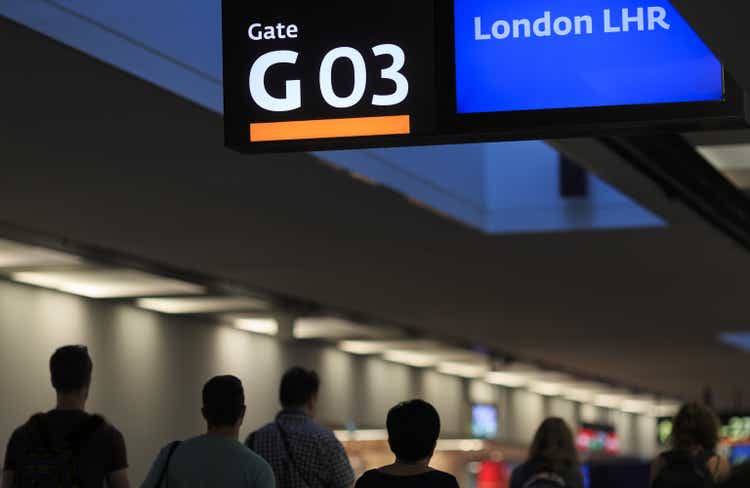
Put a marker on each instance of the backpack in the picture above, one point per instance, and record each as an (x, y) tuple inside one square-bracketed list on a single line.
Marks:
[(683, 470), (545, 479), (46, 465)]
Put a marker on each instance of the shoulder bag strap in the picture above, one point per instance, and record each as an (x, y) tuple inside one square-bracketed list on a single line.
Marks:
[(163, 475), (287, 448)]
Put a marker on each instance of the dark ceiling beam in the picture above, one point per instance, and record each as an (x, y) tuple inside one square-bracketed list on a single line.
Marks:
[(723, 26), (673, 163)]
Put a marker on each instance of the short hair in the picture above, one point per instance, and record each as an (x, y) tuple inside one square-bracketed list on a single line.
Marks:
[(70, 368), (298, 386), (695, 425), (413, 430), (223, 400)]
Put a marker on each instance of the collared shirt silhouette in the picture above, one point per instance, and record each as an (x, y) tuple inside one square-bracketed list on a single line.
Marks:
[(317, 458), (302, 453)]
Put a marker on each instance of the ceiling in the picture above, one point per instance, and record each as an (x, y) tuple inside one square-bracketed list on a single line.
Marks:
[(717, 23), (91, 155)]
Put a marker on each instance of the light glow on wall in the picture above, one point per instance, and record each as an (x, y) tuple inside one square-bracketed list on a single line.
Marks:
[(460, 445)]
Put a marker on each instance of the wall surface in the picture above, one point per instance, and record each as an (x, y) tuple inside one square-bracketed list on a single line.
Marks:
[(149, 370)]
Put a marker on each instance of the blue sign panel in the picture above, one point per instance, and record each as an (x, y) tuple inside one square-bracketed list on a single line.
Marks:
[(514, 55)]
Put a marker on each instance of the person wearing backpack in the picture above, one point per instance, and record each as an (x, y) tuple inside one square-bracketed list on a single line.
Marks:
[(553, 460), (67, 447), (692, 462), (216, 459)]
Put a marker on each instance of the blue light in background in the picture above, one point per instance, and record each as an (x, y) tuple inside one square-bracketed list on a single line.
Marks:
[(585, 70), (740, 340), (499, 188), (484, 423)]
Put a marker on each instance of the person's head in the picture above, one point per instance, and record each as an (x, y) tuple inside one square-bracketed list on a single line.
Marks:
[(224, 402), (554, 444), (695, 427), (299, 389), (413, 431), (70, 370)]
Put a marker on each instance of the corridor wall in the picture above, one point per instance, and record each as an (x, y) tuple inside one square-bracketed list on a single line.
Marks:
[(149, 369)]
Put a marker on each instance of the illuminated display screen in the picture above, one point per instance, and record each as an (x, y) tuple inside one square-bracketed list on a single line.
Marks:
[(309, 76), (592, 438), (484, 421), (514, 55), (739, 454)]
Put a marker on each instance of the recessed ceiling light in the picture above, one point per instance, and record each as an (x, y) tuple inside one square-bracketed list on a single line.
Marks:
[(667, 408), (17, 255), (361, 435), (187, 305), (363, 347), (463, 369), (727, 157), (412, 358), (335, 328), (545, 388), (459, 445), (257, 325), (433, 356), (505, 378), (583, 392), (740, 340), (107, 283)]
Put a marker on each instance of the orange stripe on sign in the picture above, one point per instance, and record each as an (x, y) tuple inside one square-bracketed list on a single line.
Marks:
[(330, 128)]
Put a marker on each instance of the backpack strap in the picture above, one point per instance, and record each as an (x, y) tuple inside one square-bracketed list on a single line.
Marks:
[(39, 431), (545, 477), (163, 475)]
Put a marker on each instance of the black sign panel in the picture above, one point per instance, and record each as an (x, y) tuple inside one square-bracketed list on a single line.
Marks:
[(299, 71), (302, 75)]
